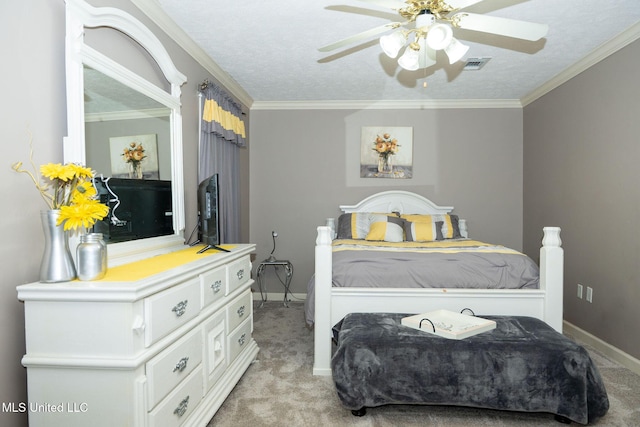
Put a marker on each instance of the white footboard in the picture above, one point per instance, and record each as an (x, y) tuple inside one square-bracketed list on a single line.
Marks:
[(332, 304)]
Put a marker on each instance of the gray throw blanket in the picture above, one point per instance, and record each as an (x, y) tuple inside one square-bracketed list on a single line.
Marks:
[(522, 365)]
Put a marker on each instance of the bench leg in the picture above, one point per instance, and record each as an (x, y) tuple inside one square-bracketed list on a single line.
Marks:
[(359, 412)]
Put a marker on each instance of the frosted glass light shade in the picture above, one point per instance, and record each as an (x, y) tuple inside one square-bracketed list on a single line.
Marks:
[(392, 43), (456, 50), (410, 59), (439, 36)]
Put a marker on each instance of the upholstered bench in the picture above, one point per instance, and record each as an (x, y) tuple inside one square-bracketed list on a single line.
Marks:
[(521, 365)]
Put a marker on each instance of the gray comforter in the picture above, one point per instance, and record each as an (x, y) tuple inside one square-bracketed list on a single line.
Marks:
[(467, 265), (522, 365)]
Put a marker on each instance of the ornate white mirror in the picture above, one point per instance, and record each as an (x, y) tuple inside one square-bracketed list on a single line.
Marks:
[(108, 104)]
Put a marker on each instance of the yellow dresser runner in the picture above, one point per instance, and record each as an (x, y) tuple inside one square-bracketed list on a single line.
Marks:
[(148, 267)]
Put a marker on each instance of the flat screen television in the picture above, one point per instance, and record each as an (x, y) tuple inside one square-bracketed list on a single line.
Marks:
[(208, 218), (142, 209)]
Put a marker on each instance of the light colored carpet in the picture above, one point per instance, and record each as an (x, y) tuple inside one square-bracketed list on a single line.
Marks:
[(280, 390)]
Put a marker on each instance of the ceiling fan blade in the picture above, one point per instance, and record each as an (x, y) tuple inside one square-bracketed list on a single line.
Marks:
[(501, 26), (360, 36), (391, 4), (461, 4)]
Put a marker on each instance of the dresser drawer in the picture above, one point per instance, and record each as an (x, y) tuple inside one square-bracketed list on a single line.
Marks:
[(239, 273), (170, 309), (238, 310), (214, 285), (239, 339), (169, 368), (177, 407)]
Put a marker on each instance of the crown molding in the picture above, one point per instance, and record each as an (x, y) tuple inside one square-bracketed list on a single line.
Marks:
[(387, 104), (152, 9), (603, 51), (127, 115)]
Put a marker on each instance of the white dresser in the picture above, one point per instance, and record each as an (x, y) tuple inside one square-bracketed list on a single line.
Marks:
[(161, 350)]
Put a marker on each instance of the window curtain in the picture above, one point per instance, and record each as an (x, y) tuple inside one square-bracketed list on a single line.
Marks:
[(222, 134)]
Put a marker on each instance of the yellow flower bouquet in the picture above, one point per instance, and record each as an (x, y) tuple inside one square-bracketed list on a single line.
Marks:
[(385, 146), (70, 189), (134, 155)]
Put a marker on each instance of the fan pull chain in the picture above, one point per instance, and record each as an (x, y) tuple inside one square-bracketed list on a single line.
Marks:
[(424, 84)]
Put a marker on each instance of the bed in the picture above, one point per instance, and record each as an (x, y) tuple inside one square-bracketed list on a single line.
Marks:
[(329, 301)]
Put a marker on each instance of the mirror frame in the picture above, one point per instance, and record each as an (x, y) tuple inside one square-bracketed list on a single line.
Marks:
[(80, 15)]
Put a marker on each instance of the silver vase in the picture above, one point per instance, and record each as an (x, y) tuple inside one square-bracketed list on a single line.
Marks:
[(57, 263)]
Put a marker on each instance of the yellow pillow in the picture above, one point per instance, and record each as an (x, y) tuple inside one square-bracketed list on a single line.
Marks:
[(385, 231), (418, 218), (356, 225), (353, 225), (422, 231), (449, 223)]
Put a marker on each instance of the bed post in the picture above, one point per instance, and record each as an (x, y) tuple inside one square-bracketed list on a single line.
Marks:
[(322, 323), (551, 276)]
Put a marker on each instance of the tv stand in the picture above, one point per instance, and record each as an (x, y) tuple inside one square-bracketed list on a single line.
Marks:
[(206, 248)]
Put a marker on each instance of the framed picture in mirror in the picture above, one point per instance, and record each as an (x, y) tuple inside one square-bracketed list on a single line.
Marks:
[(134, 156)]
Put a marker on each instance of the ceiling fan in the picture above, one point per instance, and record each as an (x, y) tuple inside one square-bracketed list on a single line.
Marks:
[(428, 26)]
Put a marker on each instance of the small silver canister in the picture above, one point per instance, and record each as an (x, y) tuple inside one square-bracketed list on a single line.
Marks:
[(91, 257)]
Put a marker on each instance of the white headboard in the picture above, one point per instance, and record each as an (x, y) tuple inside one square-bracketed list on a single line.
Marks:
[(403, 202)]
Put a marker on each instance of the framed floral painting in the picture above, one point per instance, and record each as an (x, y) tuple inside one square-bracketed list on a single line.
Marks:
[(386, 152), (134, 156)]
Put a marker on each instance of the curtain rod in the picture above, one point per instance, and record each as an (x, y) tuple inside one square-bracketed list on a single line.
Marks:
[(205, 84)]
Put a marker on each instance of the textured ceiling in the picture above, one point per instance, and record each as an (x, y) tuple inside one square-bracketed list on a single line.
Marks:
[(270, 48)]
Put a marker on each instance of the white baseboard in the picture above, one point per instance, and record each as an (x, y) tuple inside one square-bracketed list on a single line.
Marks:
[(279, 296), (608, 350)]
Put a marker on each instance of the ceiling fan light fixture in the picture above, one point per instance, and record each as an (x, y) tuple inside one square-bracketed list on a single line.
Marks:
[(439, 36), (425, 20), (410, 60), (455, 50), (427, 56), (392, 43)]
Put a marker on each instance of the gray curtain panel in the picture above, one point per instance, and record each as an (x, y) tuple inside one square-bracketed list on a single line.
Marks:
[(221, 137)]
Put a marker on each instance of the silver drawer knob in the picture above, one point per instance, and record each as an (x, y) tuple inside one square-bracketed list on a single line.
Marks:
[(217, 285), (181, 365), (240, 311), (180, 308), (241, 339), (182, 407), (240, 274)]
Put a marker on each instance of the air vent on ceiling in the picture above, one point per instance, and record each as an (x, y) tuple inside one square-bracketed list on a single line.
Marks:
[(473, 64)]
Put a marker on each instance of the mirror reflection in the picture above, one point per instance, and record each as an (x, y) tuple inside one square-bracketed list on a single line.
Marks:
[(128, 144)]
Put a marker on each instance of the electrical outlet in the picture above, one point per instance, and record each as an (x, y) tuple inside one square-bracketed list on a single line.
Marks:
[(589, 294), (579, 291)]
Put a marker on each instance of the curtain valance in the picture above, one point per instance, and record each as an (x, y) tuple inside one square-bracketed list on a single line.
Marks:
[(221, 115)]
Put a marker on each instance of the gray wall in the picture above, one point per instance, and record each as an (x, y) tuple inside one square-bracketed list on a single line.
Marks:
[(304, 164), (32, 36), (32, 48), (582, 157)]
